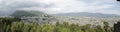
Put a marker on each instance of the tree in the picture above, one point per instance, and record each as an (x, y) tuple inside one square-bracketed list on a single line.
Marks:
[(107, 27)]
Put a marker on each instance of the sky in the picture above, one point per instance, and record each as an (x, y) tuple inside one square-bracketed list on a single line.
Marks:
[(62, 6)]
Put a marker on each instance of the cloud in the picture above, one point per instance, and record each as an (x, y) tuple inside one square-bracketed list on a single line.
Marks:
[(19, 4), (62, 6)]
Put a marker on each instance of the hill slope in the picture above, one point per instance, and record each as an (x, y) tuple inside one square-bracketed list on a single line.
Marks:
[(28, 13), (87, 14)]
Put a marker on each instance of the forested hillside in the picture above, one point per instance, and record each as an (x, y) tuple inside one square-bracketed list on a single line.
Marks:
[(36, 21), (13, 25), (26, 13)]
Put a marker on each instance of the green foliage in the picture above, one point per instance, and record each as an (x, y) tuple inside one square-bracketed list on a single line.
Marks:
[(18, 26), (99, 29), (107, 27), (7, 20), (28, 13)]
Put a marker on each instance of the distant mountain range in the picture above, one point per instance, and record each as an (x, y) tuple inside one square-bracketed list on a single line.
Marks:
[(38, 13), (86, 14), (20, 13), (28, 13)]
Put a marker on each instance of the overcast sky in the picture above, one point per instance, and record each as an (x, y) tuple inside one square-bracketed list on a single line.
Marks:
[(62, 6)]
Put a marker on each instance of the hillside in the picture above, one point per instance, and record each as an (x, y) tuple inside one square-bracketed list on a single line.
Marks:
[(28, 13), (87, 14)]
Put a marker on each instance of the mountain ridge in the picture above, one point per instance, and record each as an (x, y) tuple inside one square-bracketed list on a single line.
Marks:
[(27, 13), (87, 14)]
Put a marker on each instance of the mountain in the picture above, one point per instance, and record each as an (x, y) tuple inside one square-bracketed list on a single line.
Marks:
[(86, 14), (21, 13)]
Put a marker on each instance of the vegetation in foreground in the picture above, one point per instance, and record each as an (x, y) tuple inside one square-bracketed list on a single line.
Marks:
[(13, 25)]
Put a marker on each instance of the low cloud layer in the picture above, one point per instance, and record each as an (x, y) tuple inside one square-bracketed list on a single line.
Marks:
[(62, 6)]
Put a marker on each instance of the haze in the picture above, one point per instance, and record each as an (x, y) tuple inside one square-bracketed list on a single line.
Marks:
[(62, 6)]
